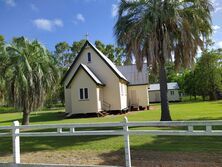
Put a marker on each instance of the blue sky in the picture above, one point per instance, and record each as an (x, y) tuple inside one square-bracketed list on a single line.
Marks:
[(53, 21)]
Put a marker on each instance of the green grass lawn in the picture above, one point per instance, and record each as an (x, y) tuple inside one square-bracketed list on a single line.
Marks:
[(179, 111)]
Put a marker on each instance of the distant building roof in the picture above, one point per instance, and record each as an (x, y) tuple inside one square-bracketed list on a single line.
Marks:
[(133, 75), (170, 86)]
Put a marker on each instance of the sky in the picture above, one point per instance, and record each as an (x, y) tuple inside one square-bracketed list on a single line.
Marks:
[(53, 21)]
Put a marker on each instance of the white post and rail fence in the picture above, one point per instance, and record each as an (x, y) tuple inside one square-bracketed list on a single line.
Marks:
[(125, 129)]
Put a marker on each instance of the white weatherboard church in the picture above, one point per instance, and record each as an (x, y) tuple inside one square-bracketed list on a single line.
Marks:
[(94, 84)]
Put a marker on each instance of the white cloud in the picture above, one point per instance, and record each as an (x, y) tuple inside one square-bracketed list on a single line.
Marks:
[(10, 2), (114, 10), (199, 52), (217, 9), (58, 22), (48, 25), (215, 28), (43, 24), (80, 17), (217, 5), (34, 7), (219, 44)]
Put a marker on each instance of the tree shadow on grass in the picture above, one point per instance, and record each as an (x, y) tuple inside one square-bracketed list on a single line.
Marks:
[(202, 119), (177, 149), (40, 117), (6, 110), (144, 148), (32, 144)]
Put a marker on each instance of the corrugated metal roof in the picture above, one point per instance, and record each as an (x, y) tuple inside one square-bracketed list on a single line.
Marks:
[(94, 77), (133, 75), (171, 85), (89, 72)]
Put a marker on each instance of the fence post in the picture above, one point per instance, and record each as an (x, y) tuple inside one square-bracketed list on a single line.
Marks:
[(126, 143), (16, 143), (72, 130)]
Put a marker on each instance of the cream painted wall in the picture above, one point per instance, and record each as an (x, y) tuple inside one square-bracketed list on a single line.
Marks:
[(154, 96), (138, 95), (82, 80), (68, 103), (111, 92)]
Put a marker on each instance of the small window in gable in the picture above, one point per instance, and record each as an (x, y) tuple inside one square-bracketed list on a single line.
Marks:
[(172, 92), (89, 57)]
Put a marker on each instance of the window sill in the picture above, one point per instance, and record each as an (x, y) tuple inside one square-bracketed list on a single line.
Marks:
[(83, 99)]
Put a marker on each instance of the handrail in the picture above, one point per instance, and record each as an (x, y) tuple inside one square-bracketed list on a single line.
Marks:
[(106, 104)]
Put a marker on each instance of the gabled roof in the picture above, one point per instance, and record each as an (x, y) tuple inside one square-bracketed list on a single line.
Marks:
[(103, 57), (134, 76), (170, 86), (89, 72)]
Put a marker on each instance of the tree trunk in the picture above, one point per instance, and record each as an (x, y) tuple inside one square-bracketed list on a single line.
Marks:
[(203, 97), (25, 119), (165, 112), (212, 95)]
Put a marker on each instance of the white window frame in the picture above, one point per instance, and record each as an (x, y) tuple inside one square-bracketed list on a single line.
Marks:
[(84, 98)]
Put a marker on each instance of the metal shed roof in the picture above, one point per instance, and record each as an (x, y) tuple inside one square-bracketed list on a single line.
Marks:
[(170, 86), (133, 75)]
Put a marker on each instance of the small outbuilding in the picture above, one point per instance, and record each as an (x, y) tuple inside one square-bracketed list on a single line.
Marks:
[(173, 92)]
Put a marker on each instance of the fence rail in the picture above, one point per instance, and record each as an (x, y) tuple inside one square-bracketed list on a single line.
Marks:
[(125, 129)]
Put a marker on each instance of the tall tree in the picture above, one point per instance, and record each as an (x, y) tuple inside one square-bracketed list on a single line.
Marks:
[(158, 29), (172, 74), (101, 46), (76, 46), (190, 84), (115, 54), (209, 74), (63, 55), (3, 60), (109, 52), (30, 74)]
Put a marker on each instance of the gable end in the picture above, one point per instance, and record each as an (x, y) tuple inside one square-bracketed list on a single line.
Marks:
[(98, 53), (90, 74)]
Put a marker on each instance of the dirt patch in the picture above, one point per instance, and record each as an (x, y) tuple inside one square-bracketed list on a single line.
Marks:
[(139, 158), (154, 107)]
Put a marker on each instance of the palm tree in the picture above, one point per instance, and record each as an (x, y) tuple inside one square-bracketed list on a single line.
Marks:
[(159, 30), (30, 74)]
